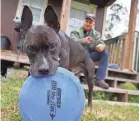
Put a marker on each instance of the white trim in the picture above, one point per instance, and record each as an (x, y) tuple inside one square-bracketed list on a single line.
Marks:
[(137, 63), (45, 3), (134, 53), (20, 9)]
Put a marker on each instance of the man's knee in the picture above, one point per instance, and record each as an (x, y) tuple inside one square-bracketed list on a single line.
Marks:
[(106, 53)]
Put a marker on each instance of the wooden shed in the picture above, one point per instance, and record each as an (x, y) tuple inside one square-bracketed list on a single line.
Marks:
[(66, 11), (71, 14)]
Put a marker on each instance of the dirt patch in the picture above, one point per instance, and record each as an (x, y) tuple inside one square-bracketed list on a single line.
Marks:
[(18, 73)]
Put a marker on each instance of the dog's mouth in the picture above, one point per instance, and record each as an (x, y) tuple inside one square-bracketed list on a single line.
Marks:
[(45, 74), (44, 71)]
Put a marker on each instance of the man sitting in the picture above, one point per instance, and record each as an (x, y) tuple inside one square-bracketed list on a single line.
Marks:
[(91, 41)]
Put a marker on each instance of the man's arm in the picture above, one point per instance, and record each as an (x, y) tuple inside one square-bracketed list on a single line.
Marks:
[(97, 41), (75, 35)]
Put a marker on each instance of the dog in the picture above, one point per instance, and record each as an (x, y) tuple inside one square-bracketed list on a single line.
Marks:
[(47, 47)]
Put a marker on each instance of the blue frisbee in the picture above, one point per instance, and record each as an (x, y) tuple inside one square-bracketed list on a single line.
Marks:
[(58, 97)]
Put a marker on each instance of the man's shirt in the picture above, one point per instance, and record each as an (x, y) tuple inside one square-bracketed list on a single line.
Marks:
[(79, 34)]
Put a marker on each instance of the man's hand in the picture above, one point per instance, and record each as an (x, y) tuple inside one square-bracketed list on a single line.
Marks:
[(87, 40), (100, 47)]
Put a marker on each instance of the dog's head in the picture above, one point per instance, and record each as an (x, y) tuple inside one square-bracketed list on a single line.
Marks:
[(42, 44)]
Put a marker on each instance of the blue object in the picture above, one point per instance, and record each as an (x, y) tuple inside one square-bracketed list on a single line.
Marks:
[(102, 58), (114, 66), (58, 97)]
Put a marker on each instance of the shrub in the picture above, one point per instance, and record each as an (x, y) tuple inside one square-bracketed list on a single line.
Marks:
[(133, 99), (128, 86)]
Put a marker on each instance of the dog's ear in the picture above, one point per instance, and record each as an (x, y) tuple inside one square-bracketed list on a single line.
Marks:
[(51, 18), (27, 17)]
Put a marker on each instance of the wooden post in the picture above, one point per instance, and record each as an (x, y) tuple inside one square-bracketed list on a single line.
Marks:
[(100, 19), (131, 30), (125, 53), (66, 5)]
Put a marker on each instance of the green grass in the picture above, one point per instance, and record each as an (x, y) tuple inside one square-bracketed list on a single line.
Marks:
[(102, 111), (105, 112), (9, 99)]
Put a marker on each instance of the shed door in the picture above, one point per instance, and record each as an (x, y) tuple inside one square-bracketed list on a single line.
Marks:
[(78, 12)]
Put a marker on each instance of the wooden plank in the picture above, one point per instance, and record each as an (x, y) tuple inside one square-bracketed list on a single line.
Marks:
[(138, 77), (112, 83), (132, 92), (113, 90), (100, 19), (125, 53), (117, 50), (117, 53), (122, 80), (7, 24), (111, 49), (115, 103), (108, 46), (110, 53), (131, 30), (114, 53), (115, 83), (65, 13), (121, 50), (14, 57), (122, 97), (120, 71)]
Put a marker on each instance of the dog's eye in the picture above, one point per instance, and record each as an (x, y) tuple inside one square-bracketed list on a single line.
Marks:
[(52, 46), (31, 49)]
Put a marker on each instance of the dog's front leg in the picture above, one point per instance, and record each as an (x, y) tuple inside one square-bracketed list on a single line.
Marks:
[(90, 71)]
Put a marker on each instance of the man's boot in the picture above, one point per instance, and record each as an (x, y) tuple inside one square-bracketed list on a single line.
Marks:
[(102, 84)]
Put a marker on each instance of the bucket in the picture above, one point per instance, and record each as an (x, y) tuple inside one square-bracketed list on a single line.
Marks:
[(5, 43)]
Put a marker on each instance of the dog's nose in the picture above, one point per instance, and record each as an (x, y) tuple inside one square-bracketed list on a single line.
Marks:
[(43, 69)]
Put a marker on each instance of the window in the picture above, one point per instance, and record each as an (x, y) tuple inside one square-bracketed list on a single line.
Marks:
[(78, 12), (37, 7)]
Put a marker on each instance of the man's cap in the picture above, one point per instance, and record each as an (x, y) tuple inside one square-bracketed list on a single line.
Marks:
[(90, 16)]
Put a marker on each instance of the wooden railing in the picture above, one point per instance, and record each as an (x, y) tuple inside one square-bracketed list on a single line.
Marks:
[(115, 46), (136, 52)]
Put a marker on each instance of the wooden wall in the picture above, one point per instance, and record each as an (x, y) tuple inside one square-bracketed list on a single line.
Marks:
[(62, 8), (8, 11)]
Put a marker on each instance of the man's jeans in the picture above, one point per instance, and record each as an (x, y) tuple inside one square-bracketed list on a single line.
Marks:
[(102, 58)]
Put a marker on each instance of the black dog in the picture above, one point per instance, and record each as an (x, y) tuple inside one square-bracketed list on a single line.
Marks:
[(47, 48)]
